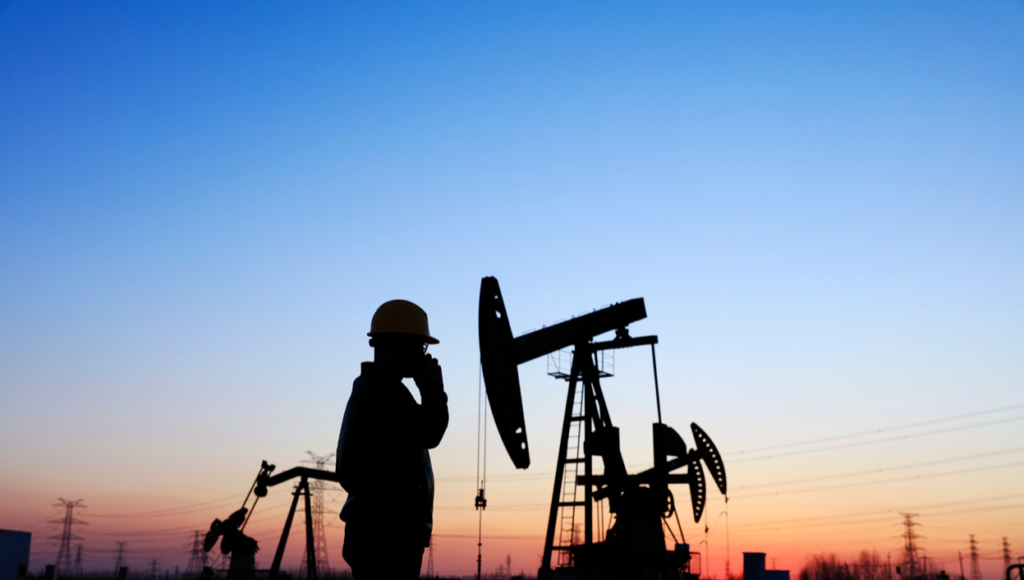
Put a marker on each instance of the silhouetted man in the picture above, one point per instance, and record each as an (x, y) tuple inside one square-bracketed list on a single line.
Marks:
[(383, 462)]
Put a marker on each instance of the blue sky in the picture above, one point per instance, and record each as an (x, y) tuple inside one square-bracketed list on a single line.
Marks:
[(202, 204)]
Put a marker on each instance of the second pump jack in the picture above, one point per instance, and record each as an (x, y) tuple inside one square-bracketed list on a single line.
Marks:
[(240, 545)]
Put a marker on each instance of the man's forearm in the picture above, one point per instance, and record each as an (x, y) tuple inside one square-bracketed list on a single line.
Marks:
[(434, 417)]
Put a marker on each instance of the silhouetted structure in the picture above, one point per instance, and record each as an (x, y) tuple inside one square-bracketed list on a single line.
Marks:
[(76, 569), (265, 480), (635, 545), (14, 552), (383, 460), (975, 566), (120, 563), (911, 564), (67, 536), (1006, 554), (235, 543), (430, 560), (754, 568), (196, 557), (316, 488)]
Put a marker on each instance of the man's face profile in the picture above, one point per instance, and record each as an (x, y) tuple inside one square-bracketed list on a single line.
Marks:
[(402, 353)]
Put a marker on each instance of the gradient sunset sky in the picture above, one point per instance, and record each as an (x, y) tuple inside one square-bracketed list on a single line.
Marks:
[(822, 203)]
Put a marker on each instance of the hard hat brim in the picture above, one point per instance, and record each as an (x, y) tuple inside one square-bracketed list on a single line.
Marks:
[(426, 337)]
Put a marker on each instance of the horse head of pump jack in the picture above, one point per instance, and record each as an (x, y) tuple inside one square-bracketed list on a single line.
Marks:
[(500, 356)]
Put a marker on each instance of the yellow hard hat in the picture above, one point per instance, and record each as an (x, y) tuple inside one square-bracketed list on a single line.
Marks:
[(403, 317)]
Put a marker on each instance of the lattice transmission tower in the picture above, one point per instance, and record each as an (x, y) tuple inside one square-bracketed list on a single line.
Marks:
[(196, 558), (153, 572), (121, 562), (911, 567), (430, 559), (316, 491), (67, 535), (1006, 553), (975, 566), (77, 569)]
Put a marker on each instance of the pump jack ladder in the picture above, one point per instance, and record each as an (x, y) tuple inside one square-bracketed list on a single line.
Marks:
[(595, 414)]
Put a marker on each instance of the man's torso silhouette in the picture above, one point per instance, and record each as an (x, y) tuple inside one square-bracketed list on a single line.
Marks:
[(384, 465)]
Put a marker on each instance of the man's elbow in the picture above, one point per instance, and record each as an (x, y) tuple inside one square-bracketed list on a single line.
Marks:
[(433, 438)]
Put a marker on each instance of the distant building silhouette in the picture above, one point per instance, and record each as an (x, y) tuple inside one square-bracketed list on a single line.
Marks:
[(754, 568)]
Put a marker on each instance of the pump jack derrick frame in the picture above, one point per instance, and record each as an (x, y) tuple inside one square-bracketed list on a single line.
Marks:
[(640, 501), (302, 489), (259, 488)]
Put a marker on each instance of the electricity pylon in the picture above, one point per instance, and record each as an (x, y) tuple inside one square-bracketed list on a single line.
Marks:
[(77, 569), (68, 521), (1006, 554), (121, 562), (153, 570), (316, 491), (910, 548), (196, 559), (430, 559), (975, 567)]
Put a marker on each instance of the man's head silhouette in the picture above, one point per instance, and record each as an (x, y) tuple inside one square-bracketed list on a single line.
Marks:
[(399, 334)]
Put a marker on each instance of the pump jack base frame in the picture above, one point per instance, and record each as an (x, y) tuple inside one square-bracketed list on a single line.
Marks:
[(302, 489)]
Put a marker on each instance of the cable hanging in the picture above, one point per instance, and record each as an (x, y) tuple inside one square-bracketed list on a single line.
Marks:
[(481, 435)]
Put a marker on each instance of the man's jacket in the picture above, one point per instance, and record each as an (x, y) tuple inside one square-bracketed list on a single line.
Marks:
[(382, 459)]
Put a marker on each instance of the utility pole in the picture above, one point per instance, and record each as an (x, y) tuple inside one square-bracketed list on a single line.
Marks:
[(77, 570), (195, 559), (68, 521), (910, 549), (120, 563), (316, 491), (975, 568)]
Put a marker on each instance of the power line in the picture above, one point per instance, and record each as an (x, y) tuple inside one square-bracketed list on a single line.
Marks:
[(875, 442), (876, 520), (896, 479), (168, 511), (883, 470), (846, 516), (884, 429)]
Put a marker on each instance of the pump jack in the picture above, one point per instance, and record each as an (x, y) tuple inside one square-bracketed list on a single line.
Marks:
[(634, 547), (265, 479)]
